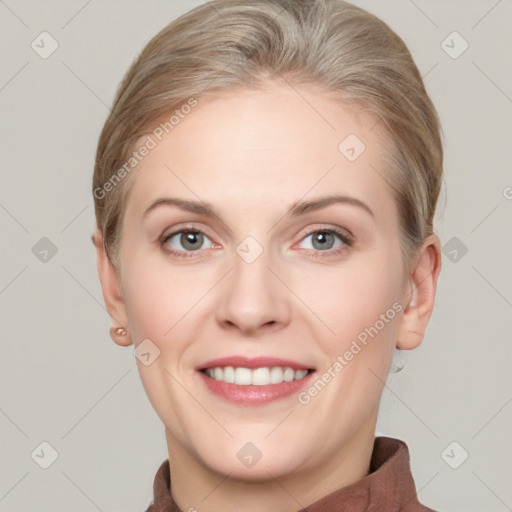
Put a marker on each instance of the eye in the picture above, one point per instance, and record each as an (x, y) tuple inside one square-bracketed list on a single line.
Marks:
[(327, 240), (185, 240)]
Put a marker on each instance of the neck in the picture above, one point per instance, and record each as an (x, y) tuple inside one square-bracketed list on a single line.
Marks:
[(195, 486)]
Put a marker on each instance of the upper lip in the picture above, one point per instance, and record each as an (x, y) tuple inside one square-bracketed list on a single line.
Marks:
[(253, 362)]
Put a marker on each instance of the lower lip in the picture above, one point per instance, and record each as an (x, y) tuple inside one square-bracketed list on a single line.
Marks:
[(254, 395)]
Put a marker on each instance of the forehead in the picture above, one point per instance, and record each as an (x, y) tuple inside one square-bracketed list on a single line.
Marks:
[(264, 148)]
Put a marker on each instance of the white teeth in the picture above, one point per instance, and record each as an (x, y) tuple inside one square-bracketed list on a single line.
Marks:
[(228, 375), (260, 377), (276, 375), (300, 374), (289, 374), (242, 376), (257, 376)]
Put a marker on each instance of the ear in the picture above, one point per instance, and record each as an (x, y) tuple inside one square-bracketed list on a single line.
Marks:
[(111, 287), (419, 299)]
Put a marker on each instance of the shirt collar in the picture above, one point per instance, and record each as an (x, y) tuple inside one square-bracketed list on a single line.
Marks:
[(389, 486)]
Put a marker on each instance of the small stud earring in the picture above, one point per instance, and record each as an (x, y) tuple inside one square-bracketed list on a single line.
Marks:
[(121, 331)]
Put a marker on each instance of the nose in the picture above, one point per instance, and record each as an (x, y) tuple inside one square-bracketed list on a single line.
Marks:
[(253, 299)]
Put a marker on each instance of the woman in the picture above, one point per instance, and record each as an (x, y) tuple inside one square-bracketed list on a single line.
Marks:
[(265, 188)]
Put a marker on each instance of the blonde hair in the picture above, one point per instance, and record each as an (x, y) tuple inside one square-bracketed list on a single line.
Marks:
[(229, 44)]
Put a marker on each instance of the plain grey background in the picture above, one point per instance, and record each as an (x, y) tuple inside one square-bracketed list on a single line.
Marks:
[(65, 383)]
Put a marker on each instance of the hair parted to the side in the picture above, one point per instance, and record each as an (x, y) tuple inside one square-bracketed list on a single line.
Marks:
[(233, 44)]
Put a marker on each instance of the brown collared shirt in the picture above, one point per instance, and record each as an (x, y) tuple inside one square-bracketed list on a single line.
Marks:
[(389, 486)]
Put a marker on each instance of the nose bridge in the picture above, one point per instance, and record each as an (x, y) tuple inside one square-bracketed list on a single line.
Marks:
[(250, 268), (252, 297)]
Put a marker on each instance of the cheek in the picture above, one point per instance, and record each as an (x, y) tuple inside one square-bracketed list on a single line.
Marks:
[(160, 307), (152, 300), (160, 297), (358, 300)]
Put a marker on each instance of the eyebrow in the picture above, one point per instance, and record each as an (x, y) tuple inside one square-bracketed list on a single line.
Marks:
[(298, 208)]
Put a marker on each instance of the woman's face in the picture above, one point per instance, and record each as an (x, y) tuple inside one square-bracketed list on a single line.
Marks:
[(284, 253)]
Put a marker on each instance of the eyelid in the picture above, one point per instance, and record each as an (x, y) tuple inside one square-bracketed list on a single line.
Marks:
[(344, 235), (177, 230), (345, 241), (184, 228), (340, 231)]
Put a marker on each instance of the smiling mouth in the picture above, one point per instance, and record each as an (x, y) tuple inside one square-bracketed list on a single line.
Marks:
[(255, 376)]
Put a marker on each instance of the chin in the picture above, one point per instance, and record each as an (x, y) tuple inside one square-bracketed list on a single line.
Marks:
[(262, 471), (255, 461)]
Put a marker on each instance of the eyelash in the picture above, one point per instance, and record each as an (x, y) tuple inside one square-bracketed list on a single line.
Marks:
[(346, 239)]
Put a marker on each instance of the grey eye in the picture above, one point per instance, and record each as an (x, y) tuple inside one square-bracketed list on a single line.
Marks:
[(187, 240), (323, 240)]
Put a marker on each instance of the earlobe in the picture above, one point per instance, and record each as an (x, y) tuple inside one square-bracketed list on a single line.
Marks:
[(419, 300), (120, 336), (110, 285)]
